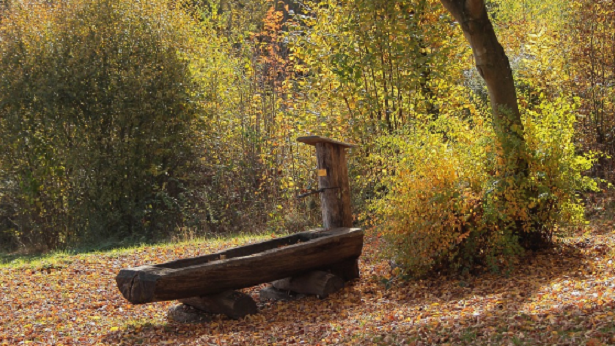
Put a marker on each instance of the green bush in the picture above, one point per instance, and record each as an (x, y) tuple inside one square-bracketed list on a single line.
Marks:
[(98, 120)]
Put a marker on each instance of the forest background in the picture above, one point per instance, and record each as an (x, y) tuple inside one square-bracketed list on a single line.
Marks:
[(124, 122)]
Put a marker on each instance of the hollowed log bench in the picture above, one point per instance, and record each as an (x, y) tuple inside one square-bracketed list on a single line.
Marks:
[(314, 262)]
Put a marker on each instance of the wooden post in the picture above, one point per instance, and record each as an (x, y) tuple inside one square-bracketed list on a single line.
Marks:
[(332, 180), (334, 189)]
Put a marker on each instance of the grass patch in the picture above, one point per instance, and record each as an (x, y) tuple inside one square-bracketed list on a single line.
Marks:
[(57, 259)]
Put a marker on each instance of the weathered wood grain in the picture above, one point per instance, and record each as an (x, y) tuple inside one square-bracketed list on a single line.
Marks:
[(335, 199), (240, 267), (346, 269)]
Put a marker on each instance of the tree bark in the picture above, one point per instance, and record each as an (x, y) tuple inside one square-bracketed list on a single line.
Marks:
[(494, 67)]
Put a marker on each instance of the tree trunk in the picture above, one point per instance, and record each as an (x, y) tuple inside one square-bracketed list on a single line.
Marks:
[(493, 65)]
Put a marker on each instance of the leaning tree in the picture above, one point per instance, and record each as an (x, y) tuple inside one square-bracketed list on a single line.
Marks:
[(494, 67)]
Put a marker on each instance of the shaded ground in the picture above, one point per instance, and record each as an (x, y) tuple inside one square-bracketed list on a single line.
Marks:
[(562, 296)]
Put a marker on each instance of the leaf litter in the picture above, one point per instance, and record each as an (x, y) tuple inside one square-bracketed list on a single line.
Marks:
[(562, 296)]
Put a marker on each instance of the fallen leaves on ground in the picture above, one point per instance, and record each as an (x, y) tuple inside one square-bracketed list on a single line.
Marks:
[(561, 296)]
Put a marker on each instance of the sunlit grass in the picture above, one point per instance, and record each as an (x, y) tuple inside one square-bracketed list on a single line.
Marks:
[(62, 257)]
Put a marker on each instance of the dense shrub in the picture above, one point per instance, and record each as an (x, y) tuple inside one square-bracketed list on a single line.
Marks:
[(98, 120), (452, 205)]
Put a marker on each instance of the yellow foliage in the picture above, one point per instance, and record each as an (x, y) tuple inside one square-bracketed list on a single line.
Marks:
[(450, 204)]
